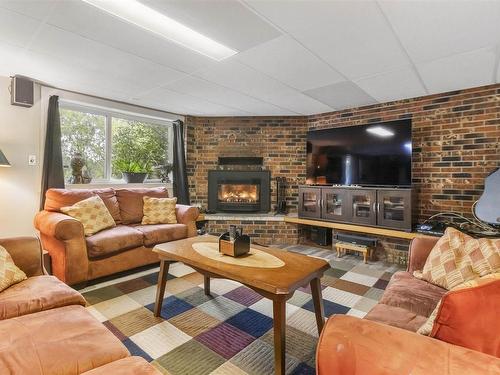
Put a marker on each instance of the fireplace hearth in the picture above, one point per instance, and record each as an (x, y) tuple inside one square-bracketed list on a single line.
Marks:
[(239, 191)]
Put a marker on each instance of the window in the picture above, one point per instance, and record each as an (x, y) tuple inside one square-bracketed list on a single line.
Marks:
[(111, 142)]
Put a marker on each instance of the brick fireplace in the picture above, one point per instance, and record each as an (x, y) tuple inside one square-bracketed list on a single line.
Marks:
[(455, 145), (239, 191)]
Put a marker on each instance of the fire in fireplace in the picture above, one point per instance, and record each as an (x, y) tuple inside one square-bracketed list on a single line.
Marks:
[(238, 191)]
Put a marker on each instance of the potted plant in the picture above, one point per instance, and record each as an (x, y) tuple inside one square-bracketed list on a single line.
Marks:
[(134, 172)]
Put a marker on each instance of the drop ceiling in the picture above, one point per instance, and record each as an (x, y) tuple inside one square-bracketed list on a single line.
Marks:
[(295, 57)]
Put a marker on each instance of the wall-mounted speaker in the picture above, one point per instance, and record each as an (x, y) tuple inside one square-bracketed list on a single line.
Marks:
[(22, 91)]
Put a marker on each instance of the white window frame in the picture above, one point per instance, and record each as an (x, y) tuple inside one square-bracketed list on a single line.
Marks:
[(109, 114)]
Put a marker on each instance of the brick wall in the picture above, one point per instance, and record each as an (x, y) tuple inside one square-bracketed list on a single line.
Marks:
[(456, 143), (279, 140), (263, 232)]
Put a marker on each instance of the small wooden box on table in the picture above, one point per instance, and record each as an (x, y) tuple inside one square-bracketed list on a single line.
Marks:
[(277, 284)]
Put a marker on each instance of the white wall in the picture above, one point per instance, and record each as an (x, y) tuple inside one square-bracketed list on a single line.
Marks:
[(19, 185), (21, 134)]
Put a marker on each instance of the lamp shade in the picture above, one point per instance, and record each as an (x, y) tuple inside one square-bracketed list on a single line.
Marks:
[(3, 160)]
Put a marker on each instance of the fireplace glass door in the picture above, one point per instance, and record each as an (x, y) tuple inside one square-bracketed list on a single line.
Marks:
[(237, 196)]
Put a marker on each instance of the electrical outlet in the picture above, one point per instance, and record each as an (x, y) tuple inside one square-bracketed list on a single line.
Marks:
[(31, 159)]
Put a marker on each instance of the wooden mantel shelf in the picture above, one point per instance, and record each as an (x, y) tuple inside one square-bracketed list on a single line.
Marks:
[(355, 228)]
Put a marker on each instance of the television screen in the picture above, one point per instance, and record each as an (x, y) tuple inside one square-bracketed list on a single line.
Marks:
[(377, 154)]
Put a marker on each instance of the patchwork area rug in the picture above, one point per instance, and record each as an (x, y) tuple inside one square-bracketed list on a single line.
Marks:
[(229, 332)]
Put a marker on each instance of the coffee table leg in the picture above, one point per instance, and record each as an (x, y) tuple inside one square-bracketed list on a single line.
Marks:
[(279, 314), (206, 284), (318, 303), (160, 289)]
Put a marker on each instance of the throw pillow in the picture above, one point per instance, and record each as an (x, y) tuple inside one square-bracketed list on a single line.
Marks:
[(159, 210), (426, 328), (10, 274), (457, 258), (468, 317), (92, 213)]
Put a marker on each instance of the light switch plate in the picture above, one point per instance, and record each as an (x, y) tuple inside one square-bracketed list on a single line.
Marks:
[(31, 159)]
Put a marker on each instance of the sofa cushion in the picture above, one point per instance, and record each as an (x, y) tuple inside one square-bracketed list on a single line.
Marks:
[(38, 293), (426, 328), (457, 258), (57, 198), (396, 317), (410, 293), (469, 317), (113, 240), (67, 340), (159, 211), (92, 213), (126, 366), (159, 233), (131, 203), (10, 274), (349, 346)]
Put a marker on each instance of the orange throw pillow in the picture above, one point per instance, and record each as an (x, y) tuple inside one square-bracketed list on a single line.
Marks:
[(457, 258), (469, 318)]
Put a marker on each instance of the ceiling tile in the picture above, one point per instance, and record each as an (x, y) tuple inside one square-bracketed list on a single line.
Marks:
[(58, 73), (218, 94), (398, 84), (236, 76), (186, 104), (92, 23), (15, 28), (352, 36), (227, 21), (38, 9), (90, 55), (435, 29), (460, 71), (286, 60), (341, 95)]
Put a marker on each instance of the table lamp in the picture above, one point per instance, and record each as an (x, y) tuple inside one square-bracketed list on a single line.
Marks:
[(3, 160)]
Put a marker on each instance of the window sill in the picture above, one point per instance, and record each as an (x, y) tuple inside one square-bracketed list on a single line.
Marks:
[(117, 184)]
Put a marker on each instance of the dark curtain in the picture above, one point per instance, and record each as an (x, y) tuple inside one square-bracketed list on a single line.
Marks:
[(181, 186), (52, 172)]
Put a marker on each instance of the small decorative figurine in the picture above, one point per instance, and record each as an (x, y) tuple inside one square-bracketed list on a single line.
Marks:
[(79, 172)]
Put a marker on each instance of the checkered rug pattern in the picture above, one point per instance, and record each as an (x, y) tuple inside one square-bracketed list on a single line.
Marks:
[(229, 332)]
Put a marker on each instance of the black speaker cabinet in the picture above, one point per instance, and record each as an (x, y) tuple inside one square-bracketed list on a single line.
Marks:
[(22, 92), (321, 236)]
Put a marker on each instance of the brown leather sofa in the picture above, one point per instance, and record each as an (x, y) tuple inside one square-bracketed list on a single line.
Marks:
[(386, 342), (45, 330), (353, 346), (76, 258)]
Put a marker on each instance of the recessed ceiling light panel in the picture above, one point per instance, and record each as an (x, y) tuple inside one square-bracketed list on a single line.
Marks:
[(380, 131), (151, 20)]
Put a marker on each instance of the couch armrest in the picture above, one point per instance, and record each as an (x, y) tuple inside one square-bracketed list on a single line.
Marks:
[(26, 253), (187, 215), (420, 248), (58, 225), (350, 346), (64, 239)]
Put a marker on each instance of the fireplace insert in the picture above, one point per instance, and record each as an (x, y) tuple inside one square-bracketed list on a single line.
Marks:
[(239, 191)]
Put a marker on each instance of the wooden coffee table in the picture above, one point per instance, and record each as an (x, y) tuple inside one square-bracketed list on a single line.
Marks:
[(277, 284)]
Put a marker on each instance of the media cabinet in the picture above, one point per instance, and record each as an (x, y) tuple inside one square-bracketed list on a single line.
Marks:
[(377, 207)]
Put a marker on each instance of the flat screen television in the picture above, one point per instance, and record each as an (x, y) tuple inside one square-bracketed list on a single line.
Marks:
[(377, 154)]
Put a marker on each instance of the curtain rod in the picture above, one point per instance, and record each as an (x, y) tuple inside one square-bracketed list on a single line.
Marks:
[(44, 84)]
